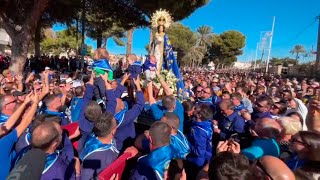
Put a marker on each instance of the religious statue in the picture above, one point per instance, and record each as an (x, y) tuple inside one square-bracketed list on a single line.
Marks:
[(161, 47)]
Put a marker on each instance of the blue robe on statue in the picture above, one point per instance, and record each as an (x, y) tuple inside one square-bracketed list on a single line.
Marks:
[(170, 63)]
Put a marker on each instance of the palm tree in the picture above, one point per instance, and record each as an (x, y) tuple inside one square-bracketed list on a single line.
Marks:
[(297, 49), (204, 34), (194, 56)]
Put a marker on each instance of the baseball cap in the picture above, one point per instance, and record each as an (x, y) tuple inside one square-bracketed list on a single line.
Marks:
[(69, 81)]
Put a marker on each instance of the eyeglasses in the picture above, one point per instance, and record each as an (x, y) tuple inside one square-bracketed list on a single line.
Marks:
[(295, 140), (275, 107), (259, 105), (205, 91), (14, 101)]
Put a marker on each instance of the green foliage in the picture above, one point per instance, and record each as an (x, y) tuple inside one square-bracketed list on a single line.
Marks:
[(178, 9), (204, 36), (226, 47), (298, 49), (65, 41), (283, 61), (181, 37)]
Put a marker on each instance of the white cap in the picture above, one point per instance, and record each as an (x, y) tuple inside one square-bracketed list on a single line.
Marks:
[(76, 84), (69, 80), (46, 68)]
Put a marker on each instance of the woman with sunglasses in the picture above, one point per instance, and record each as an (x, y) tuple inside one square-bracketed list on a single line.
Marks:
[(306, 163)]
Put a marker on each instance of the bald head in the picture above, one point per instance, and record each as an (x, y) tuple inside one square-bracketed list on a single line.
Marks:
[(267, 128), (172, 120), (280, 171), (46, 135)]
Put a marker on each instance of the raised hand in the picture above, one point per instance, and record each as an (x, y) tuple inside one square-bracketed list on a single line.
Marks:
[(222, 146), (19, 77), (35, 98), (126, 76), (28, 98)]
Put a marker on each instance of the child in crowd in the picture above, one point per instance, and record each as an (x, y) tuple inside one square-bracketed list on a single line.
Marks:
[(150, 67)]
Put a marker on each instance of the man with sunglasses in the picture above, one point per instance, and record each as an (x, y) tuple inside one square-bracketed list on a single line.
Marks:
[(262, 108), (209, 98), (7, 106)]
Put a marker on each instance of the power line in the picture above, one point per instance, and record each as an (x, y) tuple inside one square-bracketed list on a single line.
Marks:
[(302, 31)]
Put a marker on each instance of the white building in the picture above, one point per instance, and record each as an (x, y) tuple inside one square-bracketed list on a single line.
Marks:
[(5, 41), (242, 65)]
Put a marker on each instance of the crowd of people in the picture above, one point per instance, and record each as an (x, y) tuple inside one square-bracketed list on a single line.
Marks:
[(230, 125)]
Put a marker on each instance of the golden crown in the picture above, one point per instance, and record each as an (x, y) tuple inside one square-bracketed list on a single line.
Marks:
[(161, 17)]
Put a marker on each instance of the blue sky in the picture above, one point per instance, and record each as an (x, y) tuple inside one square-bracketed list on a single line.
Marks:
[(295, 24)]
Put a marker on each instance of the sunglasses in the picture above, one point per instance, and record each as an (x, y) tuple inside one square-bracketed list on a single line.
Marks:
[(205, 91), (295, 140), (14, 101), (259, 105)]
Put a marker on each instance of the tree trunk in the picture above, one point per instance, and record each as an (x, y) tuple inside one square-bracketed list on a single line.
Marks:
[(37, 37), (150, 40), (129, 41), (21, 37), (99, 39), (19, 51), (105, 42)]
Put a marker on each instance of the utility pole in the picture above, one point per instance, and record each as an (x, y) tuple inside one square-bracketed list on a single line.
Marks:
[(270, 44), (255, 59), (318, 48)]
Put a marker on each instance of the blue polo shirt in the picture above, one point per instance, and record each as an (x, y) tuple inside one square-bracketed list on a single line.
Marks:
[(7, 152), (158, 111), (230, 125)]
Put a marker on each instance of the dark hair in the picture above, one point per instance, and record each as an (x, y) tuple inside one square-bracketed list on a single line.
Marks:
[(225, 92), (231, 166), (187, 105), (158, 28), (104, 124), (160, 133), (206, 112), (236, 95), (169, 102), (49, 98), (92, 111), (1, 102), (265, 98), (282, 107), (78, 91), (312, 139), (44, 135)]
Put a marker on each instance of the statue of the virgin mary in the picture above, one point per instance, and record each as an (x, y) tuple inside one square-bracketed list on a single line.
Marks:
[(161, 47)]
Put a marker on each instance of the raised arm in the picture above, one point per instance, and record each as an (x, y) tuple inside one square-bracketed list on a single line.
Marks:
[(120, 88), (111, 104), (19, 81), (136, 110), (152, 100), (15, 116), (45, 88), (29, 116), (165, 86)]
